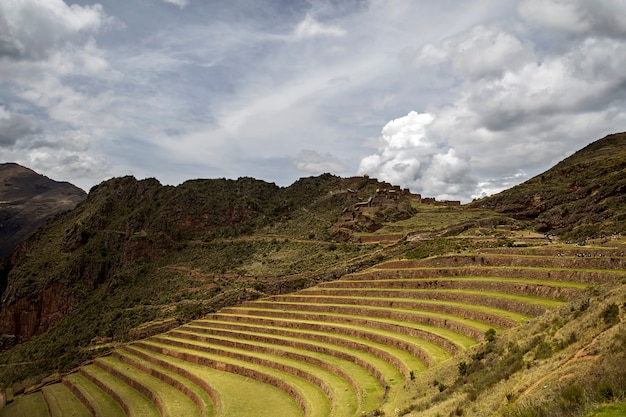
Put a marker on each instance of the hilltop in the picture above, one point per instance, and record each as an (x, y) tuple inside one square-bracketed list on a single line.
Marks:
[(582, 196), (27, 200)]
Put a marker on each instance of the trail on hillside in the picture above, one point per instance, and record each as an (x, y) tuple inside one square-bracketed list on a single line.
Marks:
[(580, 355)]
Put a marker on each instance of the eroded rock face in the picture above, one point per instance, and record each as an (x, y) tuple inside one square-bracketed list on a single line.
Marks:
[(26, 318)]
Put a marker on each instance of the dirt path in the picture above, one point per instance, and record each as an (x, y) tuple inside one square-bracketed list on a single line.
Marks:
[(581, 355)]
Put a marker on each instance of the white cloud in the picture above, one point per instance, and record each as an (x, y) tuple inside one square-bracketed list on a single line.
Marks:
[(31, 29), (501, 88), (15, 127), (179, 3), (410, 156), (519, 106), (312, 162), (311, 28), (480, 52), (579, 17)]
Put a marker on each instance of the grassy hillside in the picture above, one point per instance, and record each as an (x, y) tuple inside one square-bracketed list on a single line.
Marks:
[(582, 196)]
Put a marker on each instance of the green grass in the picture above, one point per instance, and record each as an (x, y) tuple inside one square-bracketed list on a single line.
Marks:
[(344, 399), (386, 370), (456, 338), (367, 388), (138, 405), (548, 303), (174, 402), (543, 282), (62, 403), (407, 362), (612, 410), (316, 402), (433, 352), (509, 315), (102, 403), (378, 311), (166, 375), (32, 405), (237, 395)]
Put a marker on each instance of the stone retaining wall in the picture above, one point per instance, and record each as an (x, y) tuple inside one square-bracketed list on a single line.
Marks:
[(504, 304), (348, 331), (325, 338), (297, 344), (143, 389), (300, 357), (81, 397), (462, 312), (339, 310), (521, 288), (189, 393), (235, 369), (573, 275), (201, 383), (107, 390)]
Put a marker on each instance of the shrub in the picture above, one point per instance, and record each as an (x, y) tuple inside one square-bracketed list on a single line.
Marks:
[(573, 396), (463, 368), (605, 391), (543, 350), (610, 315), (490, 335)]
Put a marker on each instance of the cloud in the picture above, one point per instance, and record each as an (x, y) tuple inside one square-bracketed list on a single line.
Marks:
[(518, 105), (581, 17), (410, 157), (15, 127), (31, 29), (481, 52), (311, 28), (313, 163), (179, 3)]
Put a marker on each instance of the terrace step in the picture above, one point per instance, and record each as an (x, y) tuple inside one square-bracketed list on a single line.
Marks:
[(169, 400), (234, 395), (363, 383), (491, 316), (340, 392), (389, 334), (310, 398), (199, 397), (134, 403), (460, 324), (26, 406), (62, 402), (587, 276), (514, 258), (399, 358), (452, 335), (552, 290), (521, 304), (378, 368), (97, 401), (558, 251)]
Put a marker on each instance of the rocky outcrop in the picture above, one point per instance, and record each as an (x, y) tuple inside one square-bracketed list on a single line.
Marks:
[(28, 317)]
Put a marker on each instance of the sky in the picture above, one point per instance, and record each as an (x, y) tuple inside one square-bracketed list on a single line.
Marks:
[(454, 99)]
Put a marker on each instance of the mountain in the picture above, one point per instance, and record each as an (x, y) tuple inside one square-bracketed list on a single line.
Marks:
[(27, 200), (582, 196), (136, 251), (137, 258)]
